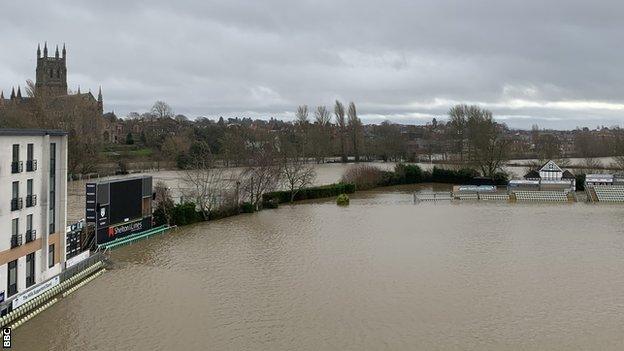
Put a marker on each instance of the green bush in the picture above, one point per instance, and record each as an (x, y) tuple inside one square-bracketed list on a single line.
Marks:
[(184, 214), (247, 207), (441, 175), (580, 182), (223, 213), (342, 200), (500, 178), (272, 199), (406, 174)]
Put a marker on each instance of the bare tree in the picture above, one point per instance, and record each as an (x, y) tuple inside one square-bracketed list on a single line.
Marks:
[(263, 175), (339, 112), (302, 124), (355, 127), (321, 137), (163, 200), (296, 176), (321, 116), (302, 115), (206, 183), (161, 109)]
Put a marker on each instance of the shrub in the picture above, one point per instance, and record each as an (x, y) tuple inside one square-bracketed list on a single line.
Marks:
[(501, 178), (247, 207), (342, 200), (407, 174), (184, 214), (223, 212), (363, 176), (272, 199), (462, 176), (580, 182)]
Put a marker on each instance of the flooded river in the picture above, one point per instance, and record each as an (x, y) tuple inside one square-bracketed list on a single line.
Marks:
[(380, 274)]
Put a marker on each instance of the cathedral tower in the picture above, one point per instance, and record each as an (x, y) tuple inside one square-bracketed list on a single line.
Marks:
[(51, 73)]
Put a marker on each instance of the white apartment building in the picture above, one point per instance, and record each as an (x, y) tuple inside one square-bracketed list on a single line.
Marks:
[(33, 207)]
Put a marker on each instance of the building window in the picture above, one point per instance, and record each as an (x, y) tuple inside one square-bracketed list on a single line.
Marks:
[(16, 202), (12, 278), (31, 234), (15, 191), (16, 165), (31, 199), (16, 238), (52, 199), (51, 256), (15, 152), (30, 269), (31, 163)]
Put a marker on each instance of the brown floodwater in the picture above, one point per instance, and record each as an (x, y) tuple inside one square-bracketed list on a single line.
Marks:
[(381, 274)]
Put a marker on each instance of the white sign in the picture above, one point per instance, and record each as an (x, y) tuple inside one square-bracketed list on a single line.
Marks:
[(36, 291), (78, 258)]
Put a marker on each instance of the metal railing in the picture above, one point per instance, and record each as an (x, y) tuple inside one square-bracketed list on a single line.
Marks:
[(80, 266), (31, 165), (17, 204), (16, 240), (17, 167), (31, 200), (31, 235)]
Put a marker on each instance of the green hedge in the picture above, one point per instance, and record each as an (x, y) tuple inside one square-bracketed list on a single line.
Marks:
[(270, 200), (184, 214)]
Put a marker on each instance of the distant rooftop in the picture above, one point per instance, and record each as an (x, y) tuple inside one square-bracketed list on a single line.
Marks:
[(30, 132)]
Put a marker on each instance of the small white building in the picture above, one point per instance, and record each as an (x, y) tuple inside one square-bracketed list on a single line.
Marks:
[(547, 177), (33, 209)]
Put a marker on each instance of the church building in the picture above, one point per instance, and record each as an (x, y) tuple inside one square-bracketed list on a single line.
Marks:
[(49, 101)]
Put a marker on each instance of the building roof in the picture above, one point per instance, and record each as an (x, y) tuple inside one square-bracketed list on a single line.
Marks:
[(533, 174), (567, 175), (31, 132), (550, 166)]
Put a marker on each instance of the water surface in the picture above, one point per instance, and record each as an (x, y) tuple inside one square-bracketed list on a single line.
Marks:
[(380, 274)]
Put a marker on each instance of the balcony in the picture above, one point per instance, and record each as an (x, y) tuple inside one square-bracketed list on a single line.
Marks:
[(17, 167), (16, 240), (31, 200), (31, 165), (17, 204), (31, 235)]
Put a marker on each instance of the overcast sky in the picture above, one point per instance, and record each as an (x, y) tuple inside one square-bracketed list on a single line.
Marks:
[(559, 64)]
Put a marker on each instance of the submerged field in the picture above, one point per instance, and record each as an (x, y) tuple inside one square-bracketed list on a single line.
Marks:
[(382, 273)]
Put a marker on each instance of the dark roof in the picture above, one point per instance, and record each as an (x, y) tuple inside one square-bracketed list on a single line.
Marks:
[(31, 132), (567, 175), (532, 175)]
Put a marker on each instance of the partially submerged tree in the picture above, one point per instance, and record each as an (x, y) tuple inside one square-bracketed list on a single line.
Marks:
[(206, 183), (355, 129), (296, 176), (163, 203), (339, 112), (262, 175)]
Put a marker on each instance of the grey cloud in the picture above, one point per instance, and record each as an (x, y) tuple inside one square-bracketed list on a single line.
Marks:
[(402, 60)]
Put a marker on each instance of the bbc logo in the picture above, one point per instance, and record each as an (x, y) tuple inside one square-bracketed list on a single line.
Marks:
[(6, 338)]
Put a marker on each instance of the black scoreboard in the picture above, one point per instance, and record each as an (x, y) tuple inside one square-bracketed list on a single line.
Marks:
[(119, 207)]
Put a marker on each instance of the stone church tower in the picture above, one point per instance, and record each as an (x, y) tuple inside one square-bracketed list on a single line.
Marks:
[(51, 73)]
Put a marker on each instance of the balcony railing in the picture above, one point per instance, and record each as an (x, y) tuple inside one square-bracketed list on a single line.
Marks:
[(31, 235), (31, 200), (16, 240), (31, 165), (17, 167), (16, 204)]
